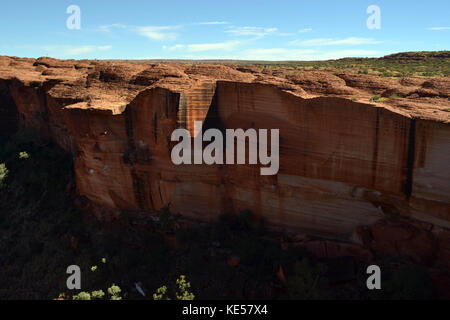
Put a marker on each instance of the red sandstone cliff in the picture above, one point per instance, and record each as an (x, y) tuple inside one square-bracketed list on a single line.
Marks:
[(375, 174)]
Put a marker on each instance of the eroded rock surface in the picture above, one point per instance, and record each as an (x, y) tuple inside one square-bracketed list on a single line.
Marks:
[(345, 162)]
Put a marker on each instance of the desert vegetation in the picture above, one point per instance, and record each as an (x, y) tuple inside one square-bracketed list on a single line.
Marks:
[(423, 64)]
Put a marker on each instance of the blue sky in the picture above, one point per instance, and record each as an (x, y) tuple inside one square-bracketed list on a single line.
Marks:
[(228, 29)]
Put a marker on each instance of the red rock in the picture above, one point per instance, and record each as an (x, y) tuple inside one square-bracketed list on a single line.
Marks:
[(344, 164), (233, 261), (322, 83), (336, 249), (404, 240), (443, 238), (280, 275)]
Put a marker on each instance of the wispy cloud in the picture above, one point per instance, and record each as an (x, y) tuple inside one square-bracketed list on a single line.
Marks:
[(438, 28), (110, 27), (65, 51), (75, 51), (278, 54), (174, 47), (212, 23), (305, 30), (223, 46), (229, 45), (348, 54), (334, 42), (158, 32), (283, 54), (251, 31)]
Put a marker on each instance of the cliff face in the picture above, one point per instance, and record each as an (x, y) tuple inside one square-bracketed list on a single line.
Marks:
[(344, 165)]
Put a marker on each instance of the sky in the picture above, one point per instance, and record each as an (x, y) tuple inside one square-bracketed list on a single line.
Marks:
[(227, 29)]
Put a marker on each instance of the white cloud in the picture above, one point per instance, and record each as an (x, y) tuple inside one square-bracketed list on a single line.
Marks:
[(274, 54), (439, 28), (334, 42), (65, 51), (285, 34), (109, 27), (251, 31), (173, 48), (278, 54), (212, 23), (305, 30), (152, 32), (349, 54), (283, 54), (84, 49), (227, 46), (157, 32)]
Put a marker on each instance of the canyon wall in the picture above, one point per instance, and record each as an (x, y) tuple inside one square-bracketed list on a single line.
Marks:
[(343, 164)]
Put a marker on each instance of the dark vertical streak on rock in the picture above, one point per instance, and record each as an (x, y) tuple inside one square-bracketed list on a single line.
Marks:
[(159, 189), (45, 115), (129, 129), (141, 188), (183, 111), (136, 189), (375, 148), (212, 119), (140, 182), (410, 159), (167, 106), (9, 121), (155, 126)]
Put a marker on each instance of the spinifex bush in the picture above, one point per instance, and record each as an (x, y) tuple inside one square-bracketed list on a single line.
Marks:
[(3, 174), (180, 293)]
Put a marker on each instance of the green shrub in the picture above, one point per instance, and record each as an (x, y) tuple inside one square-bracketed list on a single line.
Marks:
[(161, 294), (114, 292), (24, 155), (181, 293), (3, 174), (97, 294), (378, 98), (82, 296)]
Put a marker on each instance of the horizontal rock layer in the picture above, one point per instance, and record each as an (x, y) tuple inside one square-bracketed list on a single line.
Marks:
[(343, 164)]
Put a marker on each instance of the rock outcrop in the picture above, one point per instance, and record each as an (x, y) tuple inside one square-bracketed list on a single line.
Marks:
[(344, 164)]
